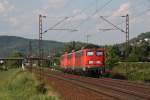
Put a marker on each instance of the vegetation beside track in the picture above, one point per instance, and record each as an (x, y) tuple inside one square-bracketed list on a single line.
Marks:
[(21, 85), (137, 71)]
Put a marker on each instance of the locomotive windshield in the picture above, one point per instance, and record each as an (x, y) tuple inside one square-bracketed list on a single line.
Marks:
[(90, 53), (99, 53)]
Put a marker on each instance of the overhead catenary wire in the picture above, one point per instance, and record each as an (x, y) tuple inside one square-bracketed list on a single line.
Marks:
[(63, 29), (88, 17), (82, 11), (139, 15), (112, 24), (98, 10), (132, 18), (56, 24), (67, 18), (96, 5)]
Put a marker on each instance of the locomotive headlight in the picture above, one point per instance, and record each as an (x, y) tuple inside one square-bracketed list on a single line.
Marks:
[(98, 62), (91, 62)]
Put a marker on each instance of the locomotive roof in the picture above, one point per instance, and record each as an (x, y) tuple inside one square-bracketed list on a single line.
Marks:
[(91, 46), (84, 49)]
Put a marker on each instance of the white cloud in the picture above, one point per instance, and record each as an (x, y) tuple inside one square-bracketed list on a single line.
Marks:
[(13, 21), (40, 11), (5, 6), (77, 16), (142, 20), (56, 3), (124, 9), (51, 5)]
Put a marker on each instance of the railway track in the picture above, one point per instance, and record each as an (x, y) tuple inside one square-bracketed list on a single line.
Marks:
[(115, 89), (132, 86), (143, 88), (106, 89)]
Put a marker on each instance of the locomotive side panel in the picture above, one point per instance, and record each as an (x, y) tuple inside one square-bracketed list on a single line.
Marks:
[(69, 60), (78, 58), (88, 61), (64, 61), (73, 59)]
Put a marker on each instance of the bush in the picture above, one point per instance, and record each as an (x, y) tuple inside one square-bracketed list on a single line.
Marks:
[(134, 70), (118, 76), (24, 86)]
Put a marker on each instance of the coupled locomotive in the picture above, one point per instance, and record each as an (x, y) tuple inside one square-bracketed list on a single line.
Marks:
[(85, 61)]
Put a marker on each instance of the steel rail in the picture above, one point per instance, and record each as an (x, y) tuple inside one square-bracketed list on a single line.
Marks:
[(106, 90), (131, 84), (126, 94)]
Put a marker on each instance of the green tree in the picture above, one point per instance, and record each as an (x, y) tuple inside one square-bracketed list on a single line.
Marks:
[(111, 58), (116, 50), (139, 51), (70, 46), (134, 54)]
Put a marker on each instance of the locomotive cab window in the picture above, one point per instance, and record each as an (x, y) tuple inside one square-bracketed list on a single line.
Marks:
[(99, 53), (90, 53)]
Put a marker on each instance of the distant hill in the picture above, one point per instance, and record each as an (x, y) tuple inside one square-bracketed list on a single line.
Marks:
[(9, 44), (137, 40), (139, 49), (141, 37)]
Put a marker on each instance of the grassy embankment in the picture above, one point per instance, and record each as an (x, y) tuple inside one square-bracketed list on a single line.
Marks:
[(19, 85), (134, 71)]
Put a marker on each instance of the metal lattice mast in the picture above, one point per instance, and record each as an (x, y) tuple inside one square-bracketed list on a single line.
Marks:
[(40, 43), (30, 55), (126, 31), (40, 39), (127, 34)]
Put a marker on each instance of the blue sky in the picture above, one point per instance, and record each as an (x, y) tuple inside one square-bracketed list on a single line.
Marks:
[(20, 18)]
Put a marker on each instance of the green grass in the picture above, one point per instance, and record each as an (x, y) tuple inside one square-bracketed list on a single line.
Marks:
[(19, 85), (134, 71), (6, 75)]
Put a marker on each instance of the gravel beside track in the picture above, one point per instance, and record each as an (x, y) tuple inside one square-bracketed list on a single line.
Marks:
[(96, 89), (106, 89)]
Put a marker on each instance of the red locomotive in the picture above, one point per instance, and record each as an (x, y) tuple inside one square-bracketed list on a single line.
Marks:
[(88, 61)]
